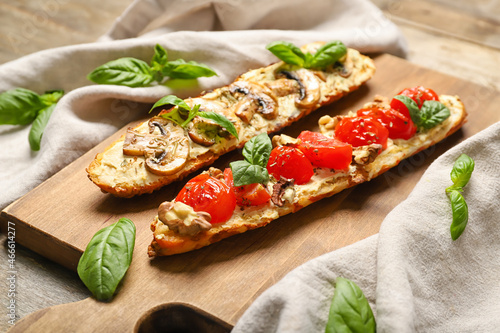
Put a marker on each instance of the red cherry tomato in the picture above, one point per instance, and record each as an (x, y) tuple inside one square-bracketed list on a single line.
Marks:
[(325, 152), (399, 126), (359, 131), (419, 94), (208, 194), (290, 163), (247, 195)]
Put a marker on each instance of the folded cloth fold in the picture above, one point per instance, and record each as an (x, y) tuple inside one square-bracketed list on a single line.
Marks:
[(414, 275), (196, 30)]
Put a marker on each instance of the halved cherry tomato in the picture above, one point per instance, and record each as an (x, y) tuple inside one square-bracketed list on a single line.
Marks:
[(290, 163), (399, 126), (247, 195), (419, 94), (208, 194), (359, 131), (325, 152)]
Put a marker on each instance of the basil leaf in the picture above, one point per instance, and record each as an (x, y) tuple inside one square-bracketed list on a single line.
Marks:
[(287, 52), (245, 173), (257, 150), (461, 172), (180, 69), (129, 72), (160, 56), (460, 214), (38, 126), (220, 120), (107, 258), (52, 96), (19, 106), (349, 311), (433, 113), (171, 100), (192, 113), (328, 54), (412, 107)]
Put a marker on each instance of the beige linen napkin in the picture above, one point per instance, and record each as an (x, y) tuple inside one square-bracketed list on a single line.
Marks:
[(415, 277), (228, 35)]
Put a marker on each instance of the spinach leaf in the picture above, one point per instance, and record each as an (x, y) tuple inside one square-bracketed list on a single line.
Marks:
[(180, 69), (433, 113), (127, 71), (19, 106), (460, 175), (107, 258), (253, 169), (349, 311), (287, 52), (38, 126), (460, 214)]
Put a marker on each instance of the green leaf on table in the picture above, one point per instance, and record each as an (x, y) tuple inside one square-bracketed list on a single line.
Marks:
[(461, 172), (350, 311), (19, 106), (107, 258), (127, 71), (460, 214), (38, 126)]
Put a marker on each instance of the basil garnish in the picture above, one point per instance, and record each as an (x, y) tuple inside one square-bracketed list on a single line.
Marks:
[(132, 72), (22, 106), (183, 114), (253, 168), (349, 311), (325, 56), (460, 175), (107, 258), (431, 114)]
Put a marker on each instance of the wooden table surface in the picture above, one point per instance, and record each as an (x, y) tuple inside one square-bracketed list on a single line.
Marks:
[(456, 37)]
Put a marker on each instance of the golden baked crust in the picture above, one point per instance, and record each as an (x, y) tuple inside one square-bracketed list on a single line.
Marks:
[(127, 176), (324, 183)]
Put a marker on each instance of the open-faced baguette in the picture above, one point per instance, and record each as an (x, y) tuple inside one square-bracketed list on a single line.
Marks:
[(324, 183), (261, 100)]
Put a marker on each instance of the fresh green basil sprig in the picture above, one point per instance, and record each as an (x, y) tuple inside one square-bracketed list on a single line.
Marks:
[(253, 169), (350, 312), (431, 114), (21, 106), (183, 114), (133, 72), (325, 56), (460, 175), (107, 258)]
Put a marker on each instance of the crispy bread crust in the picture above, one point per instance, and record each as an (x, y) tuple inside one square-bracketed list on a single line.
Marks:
[(129, 189), (170, 243)]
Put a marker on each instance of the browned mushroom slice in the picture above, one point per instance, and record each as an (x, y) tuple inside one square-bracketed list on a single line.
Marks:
[(136, 144), (171, 158), (256, 99), (205, 132), (309, 92), (284, 87)]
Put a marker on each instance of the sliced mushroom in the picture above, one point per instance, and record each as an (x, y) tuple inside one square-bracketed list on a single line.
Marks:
[(283, 191), (284, 87), (136, 144), (171, 158), (309, 87), (205, 132), (256, 98), (182, 219)]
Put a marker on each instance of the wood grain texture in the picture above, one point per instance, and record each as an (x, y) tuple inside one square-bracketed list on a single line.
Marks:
[(223, 279)]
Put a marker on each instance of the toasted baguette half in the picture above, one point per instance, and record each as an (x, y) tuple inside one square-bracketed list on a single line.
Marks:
[(286, 93), (324, 183)]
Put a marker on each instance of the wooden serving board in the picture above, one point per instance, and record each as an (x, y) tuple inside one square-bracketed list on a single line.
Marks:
[(58, 218)]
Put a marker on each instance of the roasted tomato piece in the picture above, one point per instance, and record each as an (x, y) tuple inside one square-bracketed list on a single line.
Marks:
[(325, 152), (208, 194), (247, 195), (419, 94), (399, 126), (360, 131), (290, 163)]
